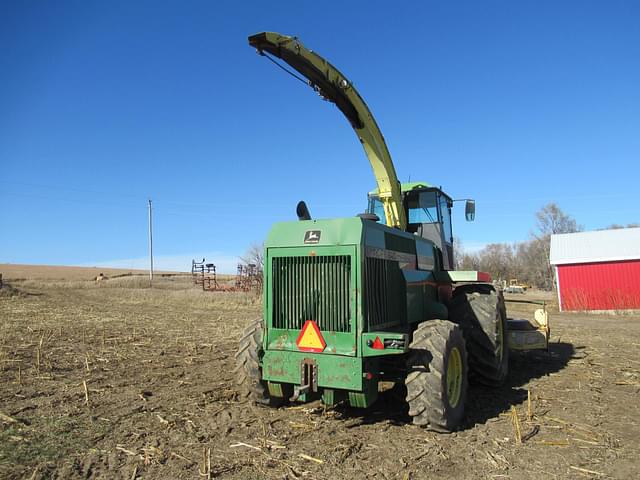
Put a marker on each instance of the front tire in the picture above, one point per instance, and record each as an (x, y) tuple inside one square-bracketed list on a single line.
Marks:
[(437, 379), (480, 311), (248, 369)]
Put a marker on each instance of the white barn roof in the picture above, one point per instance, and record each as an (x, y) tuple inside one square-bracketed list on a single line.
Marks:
[(598, 246)]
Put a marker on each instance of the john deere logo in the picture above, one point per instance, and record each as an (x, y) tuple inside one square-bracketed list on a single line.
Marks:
[(312, 236)]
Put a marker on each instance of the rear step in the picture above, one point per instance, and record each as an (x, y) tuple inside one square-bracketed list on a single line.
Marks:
[(529, 335)]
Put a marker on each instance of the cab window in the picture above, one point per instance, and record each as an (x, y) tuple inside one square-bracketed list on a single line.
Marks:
[(445, 213), (375, 206), (423, 208)]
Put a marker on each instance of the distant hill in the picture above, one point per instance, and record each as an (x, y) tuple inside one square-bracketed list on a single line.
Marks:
[(11, 271)]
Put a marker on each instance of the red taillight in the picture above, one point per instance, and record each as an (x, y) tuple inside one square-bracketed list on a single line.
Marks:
[(377, 344)]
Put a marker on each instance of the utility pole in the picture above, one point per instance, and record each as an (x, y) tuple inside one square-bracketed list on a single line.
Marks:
[(150, 245)]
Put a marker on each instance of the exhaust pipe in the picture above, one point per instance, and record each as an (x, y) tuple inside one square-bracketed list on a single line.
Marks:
[(302, 211)]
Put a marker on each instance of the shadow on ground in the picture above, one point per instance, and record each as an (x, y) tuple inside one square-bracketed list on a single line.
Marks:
[(483, 403)]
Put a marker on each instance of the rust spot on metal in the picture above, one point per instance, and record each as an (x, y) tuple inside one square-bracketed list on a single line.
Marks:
[(276, 373)]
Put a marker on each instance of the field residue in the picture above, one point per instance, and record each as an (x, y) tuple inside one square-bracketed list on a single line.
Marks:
[(127, 381)]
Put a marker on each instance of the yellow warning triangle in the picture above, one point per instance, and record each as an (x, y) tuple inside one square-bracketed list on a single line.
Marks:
[(310, 338)]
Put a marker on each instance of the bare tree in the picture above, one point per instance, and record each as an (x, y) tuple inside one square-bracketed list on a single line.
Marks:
[(469, 261), (254, 256), (552, 220), (464, 260), (458, 252), (534, 256), (617, 226), (527, 261), (498, 259)]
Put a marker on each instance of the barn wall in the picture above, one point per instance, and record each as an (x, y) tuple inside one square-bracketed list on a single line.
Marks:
[(600, 286)]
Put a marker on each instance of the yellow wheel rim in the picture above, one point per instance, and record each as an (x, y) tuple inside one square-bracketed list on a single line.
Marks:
[(454, 377), (500, 338)]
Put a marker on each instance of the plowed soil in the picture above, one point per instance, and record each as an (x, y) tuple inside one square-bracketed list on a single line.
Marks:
[(118, 380)]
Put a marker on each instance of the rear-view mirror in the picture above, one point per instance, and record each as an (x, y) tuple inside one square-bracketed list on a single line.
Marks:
[(470, 210)]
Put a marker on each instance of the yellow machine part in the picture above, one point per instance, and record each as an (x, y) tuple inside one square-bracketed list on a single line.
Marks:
[(527, 335)]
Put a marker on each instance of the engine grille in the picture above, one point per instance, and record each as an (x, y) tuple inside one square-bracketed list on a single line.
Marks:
[(385, 293), (312, 288)]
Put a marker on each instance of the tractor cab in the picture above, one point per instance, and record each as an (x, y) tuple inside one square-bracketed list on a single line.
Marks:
[(428, 213)]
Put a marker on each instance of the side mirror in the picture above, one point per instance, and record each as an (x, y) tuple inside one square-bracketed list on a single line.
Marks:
[(470, 210)]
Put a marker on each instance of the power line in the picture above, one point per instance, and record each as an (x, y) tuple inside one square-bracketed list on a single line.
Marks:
[(71, 189)]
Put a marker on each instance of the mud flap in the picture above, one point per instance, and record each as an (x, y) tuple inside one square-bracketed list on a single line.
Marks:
[(529, 335)]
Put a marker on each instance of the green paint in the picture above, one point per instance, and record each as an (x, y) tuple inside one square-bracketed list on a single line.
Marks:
[(367, 339), (301, 285), (335, 232), (338, 343), (367, 397), (334, 371), (312, 294), (275, 389), (329, 397)]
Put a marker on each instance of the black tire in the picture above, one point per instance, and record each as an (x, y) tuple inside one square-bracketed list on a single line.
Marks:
[(248, 370), (480, 311), (435, 402)]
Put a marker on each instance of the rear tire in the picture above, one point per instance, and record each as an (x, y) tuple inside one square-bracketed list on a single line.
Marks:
[(248, 369), (437, 379), (480, 311)]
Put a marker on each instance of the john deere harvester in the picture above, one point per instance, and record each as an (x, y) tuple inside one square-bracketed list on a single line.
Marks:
[(351, 302)]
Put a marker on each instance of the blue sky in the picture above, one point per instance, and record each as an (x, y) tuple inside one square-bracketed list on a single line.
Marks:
[(106, 104)]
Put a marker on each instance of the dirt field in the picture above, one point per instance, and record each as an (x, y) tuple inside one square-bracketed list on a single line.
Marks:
[(121, 381), (14, 271)]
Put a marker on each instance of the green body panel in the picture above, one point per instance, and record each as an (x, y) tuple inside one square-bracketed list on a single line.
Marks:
[(365, 398), (334, 371), (338, 343), (284, 339), (409, 281), (368, 338), (276, 389), (413, 260), (335, 232), (329, 397)]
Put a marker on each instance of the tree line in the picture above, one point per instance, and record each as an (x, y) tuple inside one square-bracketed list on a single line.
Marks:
[(527, 261)]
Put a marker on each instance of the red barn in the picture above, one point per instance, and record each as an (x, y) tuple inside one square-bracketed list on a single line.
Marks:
[(597, 270)]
